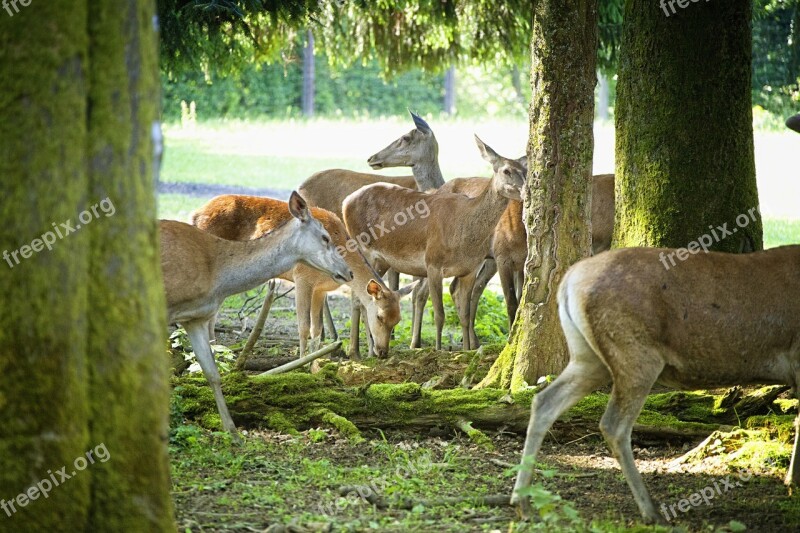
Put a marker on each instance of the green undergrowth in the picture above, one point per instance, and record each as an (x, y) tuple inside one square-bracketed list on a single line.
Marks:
[(296, 401)]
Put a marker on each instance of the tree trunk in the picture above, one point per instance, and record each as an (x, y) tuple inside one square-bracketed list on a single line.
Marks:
[(308, 75), (82, 338), (557, 201), (450, 91), (684, 153)]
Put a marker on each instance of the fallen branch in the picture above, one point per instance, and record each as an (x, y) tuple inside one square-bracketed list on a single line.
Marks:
[(303, 360), (241, 362)]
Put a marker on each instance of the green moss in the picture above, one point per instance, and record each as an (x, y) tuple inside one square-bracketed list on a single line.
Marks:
[(279, 422), (345, 428), (780, 427)]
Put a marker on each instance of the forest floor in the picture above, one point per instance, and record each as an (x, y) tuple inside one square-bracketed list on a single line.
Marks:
[(319, 482), (400, 480)]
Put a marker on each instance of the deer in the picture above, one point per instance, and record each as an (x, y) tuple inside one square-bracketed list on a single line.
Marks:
[(417, 149), (631, 322), (327, 189), (242, 218), (510, 243), (452, 240), (200, 270)]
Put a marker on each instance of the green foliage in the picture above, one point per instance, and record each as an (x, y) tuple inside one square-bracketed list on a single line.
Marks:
[(776, 56)]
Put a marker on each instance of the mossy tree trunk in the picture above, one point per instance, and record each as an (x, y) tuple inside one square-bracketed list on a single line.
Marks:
[(557, 202), (684, 151), (82, 363)]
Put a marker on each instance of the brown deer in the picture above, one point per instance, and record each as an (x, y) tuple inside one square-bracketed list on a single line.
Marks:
[(200, 270), (510, 244), (631, 322), (242, 218), (452, 240), (327, 189)]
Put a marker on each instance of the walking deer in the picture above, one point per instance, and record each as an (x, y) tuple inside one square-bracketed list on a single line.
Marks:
[(452, 241), (715, 320), (242, 218), (200, 270)]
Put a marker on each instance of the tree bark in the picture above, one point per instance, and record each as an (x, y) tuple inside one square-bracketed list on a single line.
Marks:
[(684, 153), (556, 199), (82, 338)]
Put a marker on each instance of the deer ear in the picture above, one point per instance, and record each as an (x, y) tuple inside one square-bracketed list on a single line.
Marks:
[(421, 124), (486, 152), (298, 207), (405, 291), (374, 289)]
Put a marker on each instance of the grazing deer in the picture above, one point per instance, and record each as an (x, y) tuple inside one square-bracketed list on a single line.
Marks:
[(631, 322), (200, 270), (452, 240), (327, 189), (242, 218)]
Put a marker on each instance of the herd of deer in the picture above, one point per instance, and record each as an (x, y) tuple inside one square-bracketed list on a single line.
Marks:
[(627, 320)]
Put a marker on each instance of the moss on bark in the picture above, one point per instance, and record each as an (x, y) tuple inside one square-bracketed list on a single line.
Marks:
[(684, 153), (557, 201), (129, 374), (82, 328), (43, 363)]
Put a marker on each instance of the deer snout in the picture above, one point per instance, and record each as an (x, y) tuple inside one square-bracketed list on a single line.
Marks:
[(345, 276), (374, 162)]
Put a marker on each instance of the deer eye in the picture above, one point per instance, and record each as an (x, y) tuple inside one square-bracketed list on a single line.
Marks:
[(506, 172), (326, 239)]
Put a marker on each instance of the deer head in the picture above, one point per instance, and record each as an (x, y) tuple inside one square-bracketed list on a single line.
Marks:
[(509, 174), (417, 145), (315, 243)]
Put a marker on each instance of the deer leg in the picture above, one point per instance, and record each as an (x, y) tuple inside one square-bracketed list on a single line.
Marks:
[(393, 279), (793, 474), (485, 274), (575, 382), (303, 303), (466, 284), (329, 325), (317, 304), (627, 399), (584, 373), (212, 335), (353, 351), (435, 288), (509, 293), (198, 335), (419, 297)]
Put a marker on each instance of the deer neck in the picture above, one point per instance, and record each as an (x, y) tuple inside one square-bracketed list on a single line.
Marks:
[(486, 210), (428, 175), (243, 265)]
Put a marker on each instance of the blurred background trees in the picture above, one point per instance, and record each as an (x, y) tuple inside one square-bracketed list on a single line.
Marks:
[(360, 70)]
